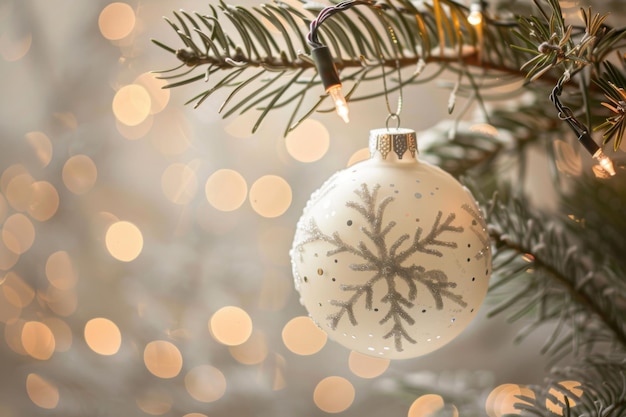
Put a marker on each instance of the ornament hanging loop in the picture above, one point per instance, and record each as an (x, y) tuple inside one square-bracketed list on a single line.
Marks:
[(390, 117)]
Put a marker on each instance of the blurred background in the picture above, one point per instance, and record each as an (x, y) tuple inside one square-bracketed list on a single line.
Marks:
[(144, 259)]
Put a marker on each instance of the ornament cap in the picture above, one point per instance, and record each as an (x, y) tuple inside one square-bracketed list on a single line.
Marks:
[(393, 144)]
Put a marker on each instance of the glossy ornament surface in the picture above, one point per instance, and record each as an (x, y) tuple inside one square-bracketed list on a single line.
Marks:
[(391, 256)]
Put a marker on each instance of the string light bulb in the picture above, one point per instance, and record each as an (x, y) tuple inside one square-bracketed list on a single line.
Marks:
[(330, 79), (605, 162), (341, 106), (584, 138), (475, 16)]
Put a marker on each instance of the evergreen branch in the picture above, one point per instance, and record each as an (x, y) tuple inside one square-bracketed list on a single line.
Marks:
[(398, 35), (595, 387), (389, 39), (559, 277)]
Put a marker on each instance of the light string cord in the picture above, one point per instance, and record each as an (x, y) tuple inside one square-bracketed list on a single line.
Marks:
[(327, 12), (580, 130), (323, 58), (328, 72)]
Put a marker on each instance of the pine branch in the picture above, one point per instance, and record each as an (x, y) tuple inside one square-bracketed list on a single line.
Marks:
[(557, 281), (360, 50), (601, 390), (368, 45)]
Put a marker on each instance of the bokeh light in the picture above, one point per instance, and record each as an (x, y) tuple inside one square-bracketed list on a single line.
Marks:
[(79, 174), (302, 336), (503, 398), (270, 196), (154, 401), (4, 208), (309, 142), (135, 132), (570, 389), (195, 415), (179, 183), (61, 331), (60, 271), (14, 48), (42, 147), (42, 392), (8, 258), (162, 359), (18, 233), (103, 336), (205, 383), (13, 335), (159, 96), (426, 406), (251, 352), (226, 190), (16, 291), (44, 201), (334, 394), (38, 340), (8, 312), (61, 302), (18, 190), (124, 241), (132, 104), (362, 154), (367, 366), (116, 21), (230, 325)]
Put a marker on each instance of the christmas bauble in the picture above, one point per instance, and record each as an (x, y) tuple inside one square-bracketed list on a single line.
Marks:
[(391, 256)]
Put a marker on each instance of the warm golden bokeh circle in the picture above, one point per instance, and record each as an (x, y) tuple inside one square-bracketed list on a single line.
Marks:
[(44, 201), (116, 21), (79, 174), (309, 142), (163, 359), (571, 390), (230, 325), (124, 241), (132, 104), (226, 190), (41, 146), (253, 351), (502, 399), (60, 270), (18, 233), (103, 336), (334, 394), (270, 196), (426, 406), (367, 366), (302, 336), (42, 392), (205, 383), (38, 340)]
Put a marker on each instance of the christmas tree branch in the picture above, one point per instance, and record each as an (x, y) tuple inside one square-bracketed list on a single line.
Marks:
[(560, 281), (271, 39)]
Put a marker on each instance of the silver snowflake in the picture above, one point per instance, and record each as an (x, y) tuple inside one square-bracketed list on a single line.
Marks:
[(387, 262)]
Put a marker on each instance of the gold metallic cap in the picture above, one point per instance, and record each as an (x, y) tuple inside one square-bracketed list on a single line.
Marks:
[(397, 140)]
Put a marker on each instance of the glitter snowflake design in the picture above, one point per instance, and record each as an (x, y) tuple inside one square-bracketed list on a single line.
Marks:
[(389, 263)]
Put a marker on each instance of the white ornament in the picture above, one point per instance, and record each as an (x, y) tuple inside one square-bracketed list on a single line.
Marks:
[(391, 255)]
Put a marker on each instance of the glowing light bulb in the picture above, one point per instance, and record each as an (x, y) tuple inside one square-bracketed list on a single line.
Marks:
[(341, 106), (605, 162), (475, 17)]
